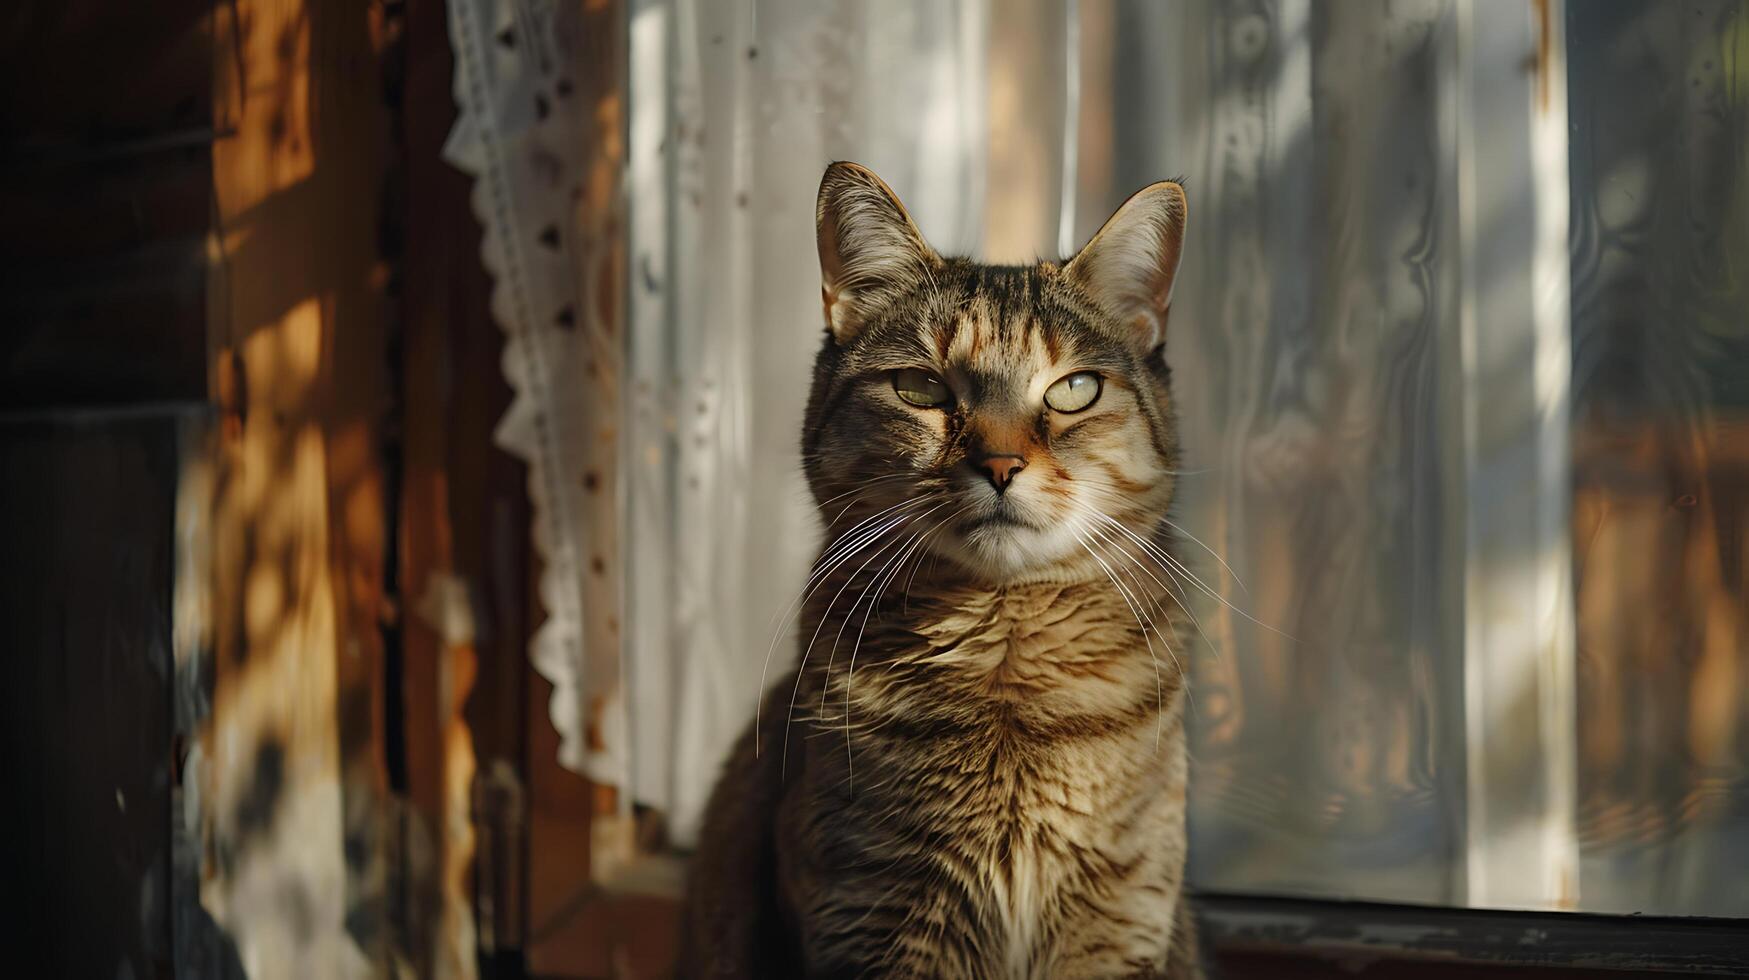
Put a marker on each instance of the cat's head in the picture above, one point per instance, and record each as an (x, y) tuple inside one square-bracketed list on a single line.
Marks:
[(999, 417)]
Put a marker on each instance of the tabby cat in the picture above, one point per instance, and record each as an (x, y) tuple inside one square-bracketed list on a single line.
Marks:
[(978, 769)]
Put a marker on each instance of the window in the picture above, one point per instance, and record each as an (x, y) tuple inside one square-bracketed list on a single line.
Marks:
[(1461, 345)]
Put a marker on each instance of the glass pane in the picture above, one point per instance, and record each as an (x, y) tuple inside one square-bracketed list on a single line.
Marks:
[(1660, 233), (1313, 349)]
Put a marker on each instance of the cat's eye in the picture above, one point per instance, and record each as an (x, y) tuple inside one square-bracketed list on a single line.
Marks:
[(1074, 392), (921, 388)]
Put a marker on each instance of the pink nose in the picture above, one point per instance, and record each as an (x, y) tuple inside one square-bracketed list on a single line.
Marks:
[(1001, 469)]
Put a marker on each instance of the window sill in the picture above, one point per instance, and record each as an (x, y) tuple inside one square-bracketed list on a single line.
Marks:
[(1356, 935)]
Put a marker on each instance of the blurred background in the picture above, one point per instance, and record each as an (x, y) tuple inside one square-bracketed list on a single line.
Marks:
[(398, 477)]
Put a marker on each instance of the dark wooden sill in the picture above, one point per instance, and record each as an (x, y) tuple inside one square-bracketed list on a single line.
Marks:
[(1255, 936)]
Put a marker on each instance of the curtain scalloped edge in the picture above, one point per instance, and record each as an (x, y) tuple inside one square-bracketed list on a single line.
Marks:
[(556, 646)]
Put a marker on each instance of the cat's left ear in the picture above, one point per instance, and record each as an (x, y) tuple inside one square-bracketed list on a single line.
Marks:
[(1129, 265), (870, 250)]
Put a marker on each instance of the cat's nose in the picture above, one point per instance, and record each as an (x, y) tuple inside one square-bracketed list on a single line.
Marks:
[(1001, 469)]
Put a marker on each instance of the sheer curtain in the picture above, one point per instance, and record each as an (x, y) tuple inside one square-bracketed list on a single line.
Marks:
[(736, 109)]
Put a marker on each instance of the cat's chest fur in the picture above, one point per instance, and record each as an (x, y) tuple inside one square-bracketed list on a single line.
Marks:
[(1024, 745)]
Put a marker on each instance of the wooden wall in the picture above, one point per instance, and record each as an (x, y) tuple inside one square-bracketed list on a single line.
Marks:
[(303, 840), (247, 343), (103, 216), (103, 201), (87, 535)]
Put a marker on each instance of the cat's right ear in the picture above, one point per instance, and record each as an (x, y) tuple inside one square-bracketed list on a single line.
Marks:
[(870, 251)]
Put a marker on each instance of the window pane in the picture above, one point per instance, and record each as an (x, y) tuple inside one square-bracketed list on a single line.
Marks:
[(1315, 358), (1660, 234)]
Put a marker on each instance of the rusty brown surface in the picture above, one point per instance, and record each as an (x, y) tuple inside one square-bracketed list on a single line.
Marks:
[(355, 368), (299, 824)]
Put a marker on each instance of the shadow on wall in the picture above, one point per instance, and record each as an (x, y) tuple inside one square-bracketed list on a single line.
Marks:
[(302, 830)]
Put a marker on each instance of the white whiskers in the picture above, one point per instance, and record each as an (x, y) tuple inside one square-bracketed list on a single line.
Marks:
[(1159, 688), (917, 541), (1176, 568), (860, 536), (897, 522)]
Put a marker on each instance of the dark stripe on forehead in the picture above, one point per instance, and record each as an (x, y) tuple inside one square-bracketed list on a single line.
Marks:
[(1053, 341), (943, 331), (1010, 295)]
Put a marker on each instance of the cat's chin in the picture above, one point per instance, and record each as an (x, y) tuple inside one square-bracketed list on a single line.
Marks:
[(1000, 554)]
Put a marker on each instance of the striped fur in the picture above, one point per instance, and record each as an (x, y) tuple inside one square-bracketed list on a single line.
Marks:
[(977, 768)]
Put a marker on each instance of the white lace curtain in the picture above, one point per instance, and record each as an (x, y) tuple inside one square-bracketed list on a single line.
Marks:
[(523, 134)]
